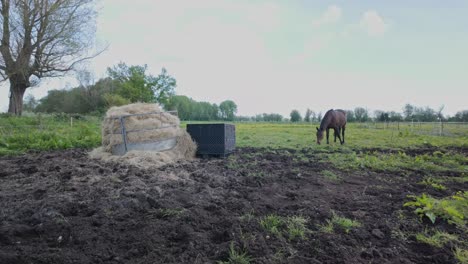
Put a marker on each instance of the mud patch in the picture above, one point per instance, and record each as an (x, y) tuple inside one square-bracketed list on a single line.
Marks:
[(62, 207)]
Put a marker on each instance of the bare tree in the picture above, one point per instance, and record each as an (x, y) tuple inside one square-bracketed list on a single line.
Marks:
[(42, 38)]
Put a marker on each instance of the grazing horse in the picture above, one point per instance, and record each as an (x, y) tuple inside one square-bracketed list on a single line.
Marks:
[(335, 119)]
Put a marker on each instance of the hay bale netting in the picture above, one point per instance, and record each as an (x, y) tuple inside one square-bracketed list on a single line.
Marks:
[(168, 126)]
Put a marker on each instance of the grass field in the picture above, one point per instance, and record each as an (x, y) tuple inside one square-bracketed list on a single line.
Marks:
[(18, 135)]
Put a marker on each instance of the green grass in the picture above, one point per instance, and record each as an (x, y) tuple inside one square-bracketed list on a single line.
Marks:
[(272, 224), (293, 227), (330, 175), (438, 239), (48, 132), (453, 209), (18, 135), (296, 227), (340, 222), (236, 257), (434, 183), (461, 255)]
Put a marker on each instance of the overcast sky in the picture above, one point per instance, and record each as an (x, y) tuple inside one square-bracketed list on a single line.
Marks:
[(275, 56)]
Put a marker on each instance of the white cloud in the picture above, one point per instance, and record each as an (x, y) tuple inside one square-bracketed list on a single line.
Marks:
[(373, 23), (330, 16)]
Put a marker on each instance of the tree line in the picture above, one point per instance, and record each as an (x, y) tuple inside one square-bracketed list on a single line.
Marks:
[(124, 85), (360, 114), (129, 84), (409, 113)]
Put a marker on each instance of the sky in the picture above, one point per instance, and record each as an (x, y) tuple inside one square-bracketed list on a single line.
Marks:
[(276, 56)]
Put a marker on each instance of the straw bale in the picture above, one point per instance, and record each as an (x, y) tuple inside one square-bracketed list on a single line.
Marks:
[(145, 128)]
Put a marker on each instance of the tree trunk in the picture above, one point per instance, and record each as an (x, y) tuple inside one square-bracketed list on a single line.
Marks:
[(16, 97)]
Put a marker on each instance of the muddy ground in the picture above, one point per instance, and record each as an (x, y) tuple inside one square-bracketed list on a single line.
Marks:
[(61, 207)]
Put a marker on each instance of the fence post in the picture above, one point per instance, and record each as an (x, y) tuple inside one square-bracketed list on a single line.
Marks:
[(71, 121)]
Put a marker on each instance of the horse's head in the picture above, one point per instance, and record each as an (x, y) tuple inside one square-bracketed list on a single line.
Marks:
[(319, 135)]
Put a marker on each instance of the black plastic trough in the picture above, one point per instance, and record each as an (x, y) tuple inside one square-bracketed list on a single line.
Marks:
[(213, 139)]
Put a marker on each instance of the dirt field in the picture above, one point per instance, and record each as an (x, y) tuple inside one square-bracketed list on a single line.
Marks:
[(61, 207)]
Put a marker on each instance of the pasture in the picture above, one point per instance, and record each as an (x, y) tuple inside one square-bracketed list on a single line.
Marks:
[(389, 195)]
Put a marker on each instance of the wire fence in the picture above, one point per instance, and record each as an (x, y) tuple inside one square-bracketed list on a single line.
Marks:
[(426, 128)]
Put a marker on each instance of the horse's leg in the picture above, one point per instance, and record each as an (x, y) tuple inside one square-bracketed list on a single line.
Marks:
[(338, 133), (328, 133), (344, 127), (334, 133)]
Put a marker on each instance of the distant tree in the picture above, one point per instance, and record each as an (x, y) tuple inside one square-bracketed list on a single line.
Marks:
[(307, 115), (394, 116), (272, 117), (90, 99), (86, 80), (361, 114), (259, 118), (381, 116), (164, 87), (53, 102), (426, 114), (460, 116), (350, 116), (319, 117), (313, 117), (440, 116), (30, 103), (295, 116), (182, 104), (408, 111), (42, 38), (115, 100), (228, 110)]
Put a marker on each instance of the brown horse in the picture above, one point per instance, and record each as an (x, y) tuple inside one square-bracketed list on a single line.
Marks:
[(335, 119)]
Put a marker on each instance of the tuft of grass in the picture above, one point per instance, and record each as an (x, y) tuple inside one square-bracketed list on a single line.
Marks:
[(438, 239), (247, 217), (169, 212), (236, 257), (295, 226), (272, 224), (461, 255), (341, 222), (330, 175), (327, 228), (434, 183)]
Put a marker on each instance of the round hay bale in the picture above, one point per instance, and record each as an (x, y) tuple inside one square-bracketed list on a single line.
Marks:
[(149, 125)]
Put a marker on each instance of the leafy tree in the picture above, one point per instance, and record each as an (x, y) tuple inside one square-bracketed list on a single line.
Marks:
[(361, 114), (408, 111), (350, 116), (319, 117), (53, 102), (272, 117), (30, 103), (42, 38), (307, 115), (93, 98), (228, 109), (189, 109), (138, 86), (460, 116), (115, 100), (164, 87), (182, 104), (394, 116), (295, 116)]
